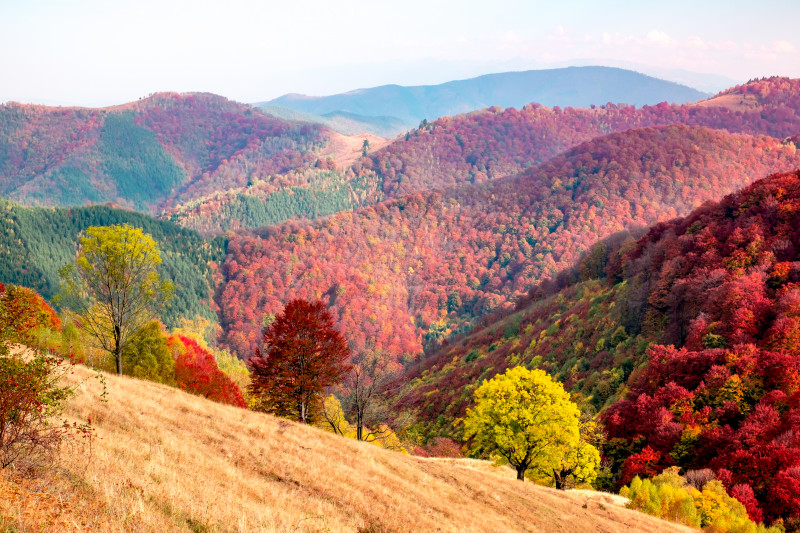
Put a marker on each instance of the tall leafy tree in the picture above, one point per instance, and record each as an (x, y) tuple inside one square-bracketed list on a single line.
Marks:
[(528, 420), (114, 286), (302, 355)]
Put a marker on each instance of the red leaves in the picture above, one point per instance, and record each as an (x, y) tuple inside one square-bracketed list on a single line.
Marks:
[(302, 355), (784, 493), (646, 463), (196, 371), (744, 493), (725, 409)]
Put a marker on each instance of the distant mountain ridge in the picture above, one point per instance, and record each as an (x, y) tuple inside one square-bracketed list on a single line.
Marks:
[(572, 86), (342, 121)]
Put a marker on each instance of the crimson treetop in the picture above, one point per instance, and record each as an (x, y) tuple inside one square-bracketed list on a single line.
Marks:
[(302, 354)]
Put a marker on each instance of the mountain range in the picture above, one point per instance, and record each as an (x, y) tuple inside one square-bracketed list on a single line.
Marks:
[(643, 256), (565, 87)]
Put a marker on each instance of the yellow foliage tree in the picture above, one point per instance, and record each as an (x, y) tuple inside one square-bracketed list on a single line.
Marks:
[(669, 496), (114, 286), (529, 421)]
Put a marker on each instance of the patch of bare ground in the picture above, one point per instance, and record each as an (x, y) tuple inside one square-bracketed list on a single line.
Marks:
[(164, 460), (734, 102), (346, 149)]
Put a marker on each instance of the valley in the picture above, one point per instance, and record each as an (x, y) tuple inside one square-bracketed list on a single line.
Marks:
[(643, 257)]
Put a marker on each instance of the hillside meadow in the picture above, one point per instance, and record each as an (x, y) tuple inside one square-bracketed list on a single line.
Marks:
[(164, 460)]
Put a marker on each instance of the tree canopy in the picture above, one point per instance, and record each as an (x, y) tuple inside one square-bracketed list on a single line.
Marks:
[(529, 421), (114, 286), (302, 355)]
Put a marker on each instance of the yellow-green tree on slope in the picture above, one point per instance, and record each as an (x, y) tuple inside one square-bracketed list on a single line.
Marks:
[(526, 419)]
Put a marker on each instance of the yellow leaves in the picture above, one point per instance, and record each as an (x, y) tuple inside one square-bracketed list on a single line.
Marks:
[(334, 419), (669, 496), (528, 419)]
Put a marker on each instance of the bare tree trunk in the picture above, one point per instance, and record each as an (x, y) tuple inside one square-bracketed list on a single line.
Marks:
[(117, 350), (521, 473)]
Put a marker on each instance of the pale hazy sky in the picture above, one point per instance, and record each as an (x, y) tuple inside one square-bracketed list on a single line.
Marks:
[(103, 52)]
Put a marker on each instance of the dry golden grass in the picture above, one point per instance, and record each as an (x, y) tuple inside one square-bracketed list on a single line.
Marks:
[(734, 102), (346, 149), (164, 460)]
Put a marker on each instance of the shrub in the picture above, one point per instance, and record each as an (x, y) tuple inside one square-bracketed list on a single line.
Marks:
[(22, 311), (196, 371), (31, 398), (669, 496), (147, 355)]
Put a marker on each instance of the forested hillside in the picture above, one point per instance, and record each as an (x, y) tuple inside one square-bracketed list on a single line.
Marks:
[(410, 272), (214, 164), (496, 143), (149, 154), (303, 193), (714, 297), (36, 242)]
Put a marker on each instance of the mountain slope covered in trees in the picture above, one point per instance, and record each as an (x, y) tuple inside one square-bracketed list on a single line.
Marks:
[(411, 271), (687, 336), (150, 154), (475, 148), (215, 165), (36, 242), (496, 143)]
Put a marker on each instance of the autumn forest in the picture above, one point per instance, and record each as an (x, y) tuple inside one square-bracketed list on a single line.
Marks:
[(629, 276)]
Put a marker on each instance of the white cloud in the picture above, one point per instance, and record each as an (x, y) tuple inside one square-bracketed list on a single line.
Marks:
[(724, 46), (697, 43), (512, 37), (660, 38)]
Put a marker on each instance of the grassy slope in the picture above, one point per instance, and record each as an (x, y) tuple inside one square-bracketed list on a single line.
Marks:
[(169, 461)]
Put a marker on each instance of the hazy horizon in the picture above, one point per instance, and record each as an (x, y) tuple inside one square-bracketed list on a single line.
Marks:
[(93, 53)]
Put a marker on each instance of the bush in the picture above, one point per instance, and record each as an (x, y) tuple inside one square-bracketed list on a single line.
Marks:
[(147, 355), (669, 496), (22, 311), (30, 400), (196, 371)]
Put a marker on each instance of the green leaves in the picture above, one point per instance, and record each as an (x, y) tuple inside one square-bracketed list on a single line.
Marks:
[(114, 285)]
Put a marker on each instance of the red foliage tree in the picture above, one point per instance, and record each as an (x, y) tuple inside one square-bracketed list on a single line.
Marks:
[(302, 354), (196, 371), (646, 463), (744, 493)]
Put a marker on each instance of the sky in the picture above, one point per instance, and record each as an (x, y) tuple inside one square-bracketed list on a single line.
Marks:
[(106, 52)]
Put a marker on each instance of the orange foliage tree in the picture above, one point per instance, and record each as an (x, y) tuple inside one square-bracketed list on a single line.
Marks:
[(22, 311)]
